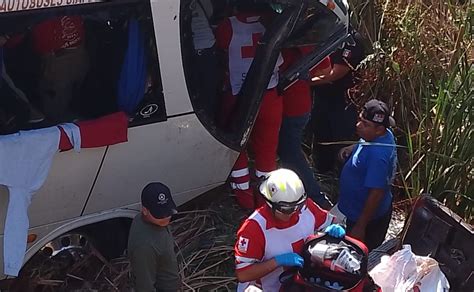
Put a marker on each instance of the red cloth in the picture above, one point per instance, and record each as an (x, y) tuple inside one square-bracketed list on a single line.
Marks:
[(58, 33), (107, 130), (264, 136), (297, 99)]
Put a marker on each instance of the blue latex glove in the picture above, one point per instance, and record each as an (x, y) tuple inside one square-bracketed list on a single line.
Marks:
[(335, 230), (289, 260)]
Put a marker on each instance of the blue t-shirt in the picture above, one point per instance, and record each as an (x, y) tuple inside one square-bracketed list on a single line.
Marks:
[(369, 166)]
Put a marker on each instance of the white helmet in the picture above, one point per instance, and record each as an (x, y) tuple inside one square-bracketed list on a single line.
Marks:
[(283, 186)]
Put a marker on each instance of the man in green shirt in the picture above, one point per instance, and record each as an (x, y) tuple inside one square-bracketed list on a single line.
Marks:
[(151, 244)]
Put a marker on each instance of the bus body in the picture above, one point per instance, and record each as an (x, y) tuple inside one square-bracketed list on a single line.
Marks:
[(176, 144)]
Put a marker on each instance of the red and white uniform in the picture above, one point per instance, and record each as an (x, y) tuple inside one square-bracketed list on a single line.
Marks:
[(261, 238), (297, 99), (238, 36)]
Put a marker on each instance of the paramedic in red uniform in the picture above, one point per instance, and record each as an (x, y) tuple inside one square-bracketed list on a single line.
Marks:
[(237, 37), (270, 239), (59, 41), (297, 103)]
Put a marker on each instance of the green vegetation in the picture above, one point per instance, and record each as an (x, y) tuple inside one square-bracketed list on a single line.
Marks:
[(421, 65)]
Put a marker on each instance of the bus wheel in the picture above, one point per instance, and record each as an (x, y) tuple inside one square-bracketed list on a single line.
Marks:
[(63, 263)]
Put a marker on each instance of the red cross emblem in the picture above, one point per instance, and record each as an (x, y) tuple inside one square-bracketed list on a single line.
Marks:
[(249, 51), (243, 244)]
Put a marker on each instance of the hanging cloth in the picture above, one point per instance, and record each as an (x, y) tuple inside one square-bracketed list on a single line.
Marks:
[(131, 87)]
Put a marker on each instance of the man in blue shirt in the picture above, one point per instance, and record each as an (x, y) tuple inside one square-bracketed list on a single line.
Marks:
[(365, 196)]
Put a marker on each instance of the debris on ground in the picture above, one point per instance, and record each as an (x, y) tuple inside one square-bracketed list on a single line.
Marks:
[(204, 234)]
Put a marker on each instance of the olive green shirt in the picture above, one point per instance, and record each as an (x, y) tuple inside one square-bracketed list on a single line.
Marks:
[(152, 257)]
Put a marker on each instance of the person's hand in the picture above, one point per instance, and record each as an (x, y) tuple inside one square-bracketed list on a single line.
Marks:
[(344, 153), (335, 230), (358, 232), (290, 260)]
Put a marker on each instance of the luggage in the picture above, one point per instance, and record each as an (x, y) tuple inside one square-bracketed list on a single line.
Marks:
[(434, 230)]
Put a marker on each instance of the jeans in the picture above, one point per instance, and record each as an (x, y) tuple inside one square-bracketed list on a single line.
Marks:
[(332, 120), (375, 231), (291, 153)]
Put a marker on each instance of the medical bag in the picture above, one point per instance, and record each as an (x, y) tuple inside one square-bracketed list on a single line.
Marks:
[(330, 264)]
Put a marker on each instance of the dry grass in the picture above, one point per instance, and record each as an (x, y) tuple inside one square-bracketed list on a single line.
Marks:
[(204, 238)]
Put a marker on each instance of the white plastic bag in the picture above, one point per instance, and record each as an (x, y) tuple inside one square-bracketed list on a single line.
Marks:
[(406, 272)]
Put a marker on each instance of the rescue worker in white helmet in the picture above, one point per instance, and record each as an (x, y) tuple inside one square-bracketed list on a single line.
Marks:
[(270, 239)]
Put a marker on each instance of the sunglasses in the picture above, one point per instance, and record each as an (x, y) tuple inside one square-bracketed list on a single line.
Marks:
[(289, 208)]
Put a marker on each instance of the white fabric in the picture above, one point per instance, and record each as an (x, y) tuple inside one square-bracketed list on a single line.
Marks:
[(241, 186), (26, 158), (239, 172), (239, 66), (280, 241), (203, 37), (406, 272), (340, 218), (259, 173), (74, 134)]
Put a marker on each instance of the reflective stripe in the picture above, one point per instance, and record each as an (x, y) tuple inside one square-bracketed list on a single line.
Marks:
[(239, 172), (242, 186), (259, 173), (242, 265), (245, 260)]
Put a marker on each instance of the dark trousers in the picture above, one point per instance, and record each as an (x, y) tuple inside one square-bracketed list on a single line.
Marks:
[(332, 120), (375, 231), (207, 79), (14, 111), (291, 155)]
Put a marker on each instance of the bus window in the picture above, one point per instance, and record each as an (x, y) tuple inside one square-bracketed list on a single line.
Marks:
[(296, 23), (78, 60)]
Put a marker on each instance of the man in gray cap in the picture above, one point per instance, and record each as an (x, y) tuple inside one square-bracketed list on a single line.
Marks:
[(365, 196), (151, 244)]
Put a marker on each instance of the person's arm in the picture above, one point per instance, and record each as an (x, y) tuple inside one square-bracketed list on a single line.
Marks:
[(337, 72), (249, 251), (370, 207), (323, 68), (345, 153), (256, 271), (378, 169), (144, 268)]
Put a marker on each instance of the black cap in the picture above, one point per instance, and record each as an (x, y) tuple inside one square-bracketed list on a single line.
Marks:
[(377, 111), (156, 197)]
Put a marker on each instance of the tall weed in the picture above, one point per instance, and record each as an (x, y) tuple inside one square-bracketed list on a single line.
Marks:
[(421, 64)]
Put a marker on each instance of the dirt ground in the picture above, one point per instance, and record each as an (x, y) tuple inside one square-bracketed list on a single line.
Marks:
[(204, 232)]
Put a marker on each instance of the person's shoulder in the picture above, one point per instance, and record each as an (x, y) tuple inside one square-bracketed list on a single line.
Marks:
[(314, 208), (250, 225), (383, 146)]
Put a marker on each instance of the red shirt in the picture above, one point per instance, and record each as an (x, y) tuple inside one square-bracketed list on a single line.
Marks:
[(58, 33), (297, 99)]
